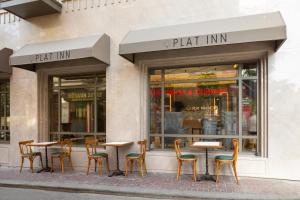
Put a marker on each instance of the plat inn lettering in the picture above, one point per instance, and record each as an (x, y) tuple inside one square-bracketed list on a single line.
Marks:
[(195, 41), (53, 56)]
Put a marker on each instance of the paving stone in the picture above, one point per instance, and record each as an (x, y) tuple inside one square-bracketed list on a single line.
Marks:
[(159, 182)]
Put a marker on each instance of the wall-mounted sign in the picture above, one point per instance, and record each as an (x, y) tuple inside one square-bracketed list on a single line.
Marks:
[(51, 57), (198, 41)]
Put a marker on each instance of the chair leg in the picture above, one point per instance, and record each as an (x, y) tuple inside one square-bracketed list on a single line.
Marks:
[(126, 166), (96, 165), (31, 164), (51, 164), (22, 162), (88, 168), (217, 171), (71, 164), (131, 166), (195, 169), (100, 166), (41, 162), (107, 165), (62, 164), (235, 172), (145, 168), (141, 166), (179, 169)]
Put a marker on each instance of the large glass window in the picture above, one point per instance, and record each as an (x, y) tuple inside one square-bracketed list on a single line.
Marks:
[(4, 111), (77, 107), (204, 103)]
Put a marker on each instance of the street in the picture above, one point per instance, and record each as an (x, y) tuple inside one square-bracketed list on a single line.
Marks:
[(30, 194)]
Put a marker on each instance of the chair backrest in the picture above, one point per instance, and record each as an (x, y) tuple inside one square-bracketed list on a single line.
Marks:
[(91, 146), (24, 149), (143, 147), (235, 143), (177, 147), (66, 146)]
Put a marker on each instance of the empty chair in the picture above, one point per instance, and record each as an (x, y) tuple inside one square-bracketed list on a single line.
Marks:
[(26, 152), (231, 160), (185, 158), (138, 157), (65, 152), (98, 157)]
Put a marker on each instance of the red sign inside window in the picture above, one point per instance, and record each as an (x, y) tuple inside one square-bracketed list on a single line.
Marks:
[(191, 92)]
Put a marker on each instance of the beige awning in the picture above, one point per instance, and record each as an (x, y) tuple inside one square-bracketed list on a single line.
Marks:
[(96, 47), (4, 60), (245, 29)]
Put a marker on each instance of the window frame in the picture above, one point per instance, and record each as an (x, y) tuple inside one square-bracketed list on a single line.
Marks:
[(6, 103), (95, 86), (239, 79)]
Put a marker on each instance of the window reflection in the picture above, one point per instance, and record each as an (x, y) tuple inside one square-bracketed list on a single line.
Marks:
[(78, 107), (249, 103)]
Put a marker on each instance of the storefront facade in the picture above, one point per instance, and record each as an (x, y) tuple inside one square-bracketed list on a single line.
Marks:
[(134, 85)]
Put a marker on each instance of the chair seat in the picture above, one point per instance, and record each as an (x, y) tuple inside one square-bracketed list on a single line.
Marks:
[(101, 154), (133, 155), (187, 156), (224, 157), (32, 154), (58, 153)]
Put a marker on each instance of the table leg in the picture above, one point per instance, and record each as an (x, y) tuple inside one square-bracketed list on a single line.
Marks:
[(117, 172), (118, 168), (47, 168), (46, 154), (206, 176), (206, 162)]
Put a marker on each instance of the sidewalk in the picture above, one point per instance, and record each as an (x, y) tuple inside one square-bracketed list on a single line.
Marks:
[(153, 185)]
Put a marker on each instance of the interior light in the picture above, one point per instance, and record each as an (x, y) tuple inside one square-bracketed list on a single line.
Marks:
[(235, 66)]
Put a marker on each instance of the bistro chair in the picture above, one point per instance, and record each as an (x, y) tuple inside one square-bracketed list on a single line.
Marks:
[(65, 152), (139, 157), (26, 152), (92, 154), (185, 158), (225, 159)]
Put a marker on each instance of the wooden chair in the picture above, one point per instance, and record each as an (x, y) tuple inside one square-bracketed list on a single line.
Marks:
[(225, 159), (185, 158), (26, 152), (92, 154), (139, 157), (65, 152)]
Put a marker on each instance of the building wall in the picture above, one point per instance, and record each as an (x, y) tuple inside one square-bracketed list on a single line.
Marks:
[(116, 18)]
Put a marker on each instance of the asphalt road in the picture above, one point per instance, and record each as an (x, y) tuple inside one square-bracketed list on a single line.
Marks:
[(29, 194)]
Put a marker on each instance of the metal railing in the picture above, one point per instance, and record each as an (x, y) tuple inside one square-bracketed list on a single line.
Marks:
[(6, 17), (68, 7)]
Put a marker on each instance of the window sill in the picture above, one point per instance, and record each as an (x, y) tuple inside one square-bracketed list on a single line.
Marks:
[(4, 143), (168, 153), (78, 148)]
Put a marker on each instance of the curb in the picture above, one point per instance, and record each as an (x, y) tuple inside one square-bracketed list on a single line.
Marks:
[(133, 191)]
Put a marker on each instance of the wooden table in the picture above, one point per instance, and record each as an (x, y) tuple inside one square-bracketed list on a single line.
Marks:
[(117, 172), (45, 145), (206, 146)]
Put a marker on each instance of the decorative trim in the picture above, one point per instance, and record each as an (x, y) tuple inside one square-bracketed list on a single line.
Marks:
[(78, 5)]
